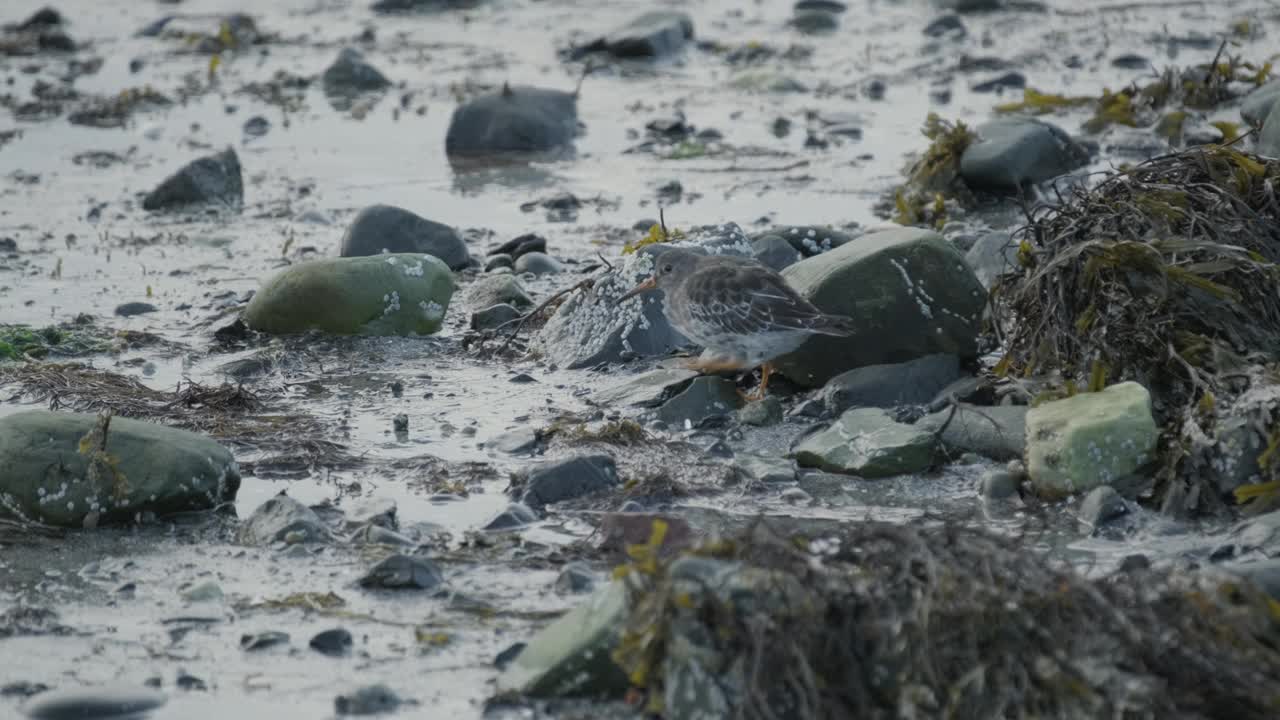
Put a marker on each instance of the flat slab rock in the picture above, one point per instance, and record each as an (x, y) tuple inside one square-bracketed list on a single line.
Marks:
[(869, 443)]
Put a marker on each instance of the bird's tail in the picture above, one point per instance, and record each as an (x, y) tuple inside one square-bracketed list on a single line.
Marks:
[(837, 325)]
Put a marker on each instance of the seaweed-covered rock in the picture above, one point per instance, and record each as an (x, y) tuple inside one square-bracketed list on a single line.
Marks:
[(870, 443), (592, 327), (380, 229), (909, 293), (514, 120), (1010, 153), (398, 294), (72, 469), (911, 383), (1090, 439), (350, 75), (657, 33), (282, 519), (571, 656), (210, 180)]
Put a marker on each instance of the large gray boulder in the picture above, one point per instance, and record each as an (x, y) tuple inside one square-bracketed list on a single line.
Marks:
[(909, 292), (592, 327), (210, 180), (397, 294), (514, 120), (380, 229), (141, 467), (1012, 152)]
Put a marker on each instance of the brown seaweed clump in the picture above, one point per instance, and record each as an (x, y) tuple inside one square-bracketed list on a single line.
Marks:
[(891, 621), (1165, 273)]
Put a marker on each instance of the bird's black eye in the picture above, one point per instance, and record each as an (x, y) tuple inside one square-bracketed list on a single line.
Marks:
[(667, 268)]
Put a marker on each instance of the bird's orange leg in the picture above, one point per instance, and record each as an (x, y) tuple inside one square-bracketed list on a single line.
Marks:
[(758, 394)]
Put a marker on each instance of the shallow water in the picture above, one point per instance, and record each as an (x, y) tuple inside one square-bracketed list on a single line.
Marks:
[(73, 261)]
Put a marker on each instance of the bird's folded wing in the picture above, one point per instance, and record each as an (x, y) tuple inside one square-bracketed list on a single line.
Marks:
[(745, 303)]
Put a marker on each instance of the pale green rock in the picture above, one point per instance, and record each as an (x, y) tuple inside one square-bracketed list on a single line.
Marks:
[(868, 442), (390, 294), (1091, 439), (572, 657), (909, 293), (165, 470)]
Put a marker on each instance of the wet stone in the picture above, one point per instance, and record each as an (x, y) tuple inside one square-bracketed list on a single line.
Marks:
[(705, 398), (538, 263), (500, 260), (157, 469), (828, 6), (189, 683), (498, 290), (514, 120), (334, 643), (575, 578), (379, 229), (761, 413), (131, 309), (282, 518), (569, 478), (869, 443), (263, 640), (1269, 138), (350, 74), (210, 180), (396, 294), (1010, 153), (946, 26), (1258, 103), (1000, 83), (815, 21), (515, 442), (256, 126), (207, 591), (649, 389), (651, 35), (999, 483), (494, 316), (101, 703), (775, 252), (996, 432), (1131, 61), (765, 469), (371, 700), (991, 256), (520, 245), (884, 386), (1100, 506), (379, 511), (403, 572)]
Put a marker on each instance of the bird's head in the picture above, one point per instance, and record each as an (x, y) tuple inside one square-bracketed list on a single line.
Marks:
[(670, 268)]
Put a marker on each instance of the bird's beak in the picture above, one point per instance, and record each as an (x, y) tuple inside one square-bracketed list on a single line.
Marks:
[(646, 285)]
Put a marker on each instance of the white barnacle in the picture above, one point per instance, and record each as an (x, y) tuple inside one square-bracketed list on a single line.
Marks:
[(391, 261), (413, 270)]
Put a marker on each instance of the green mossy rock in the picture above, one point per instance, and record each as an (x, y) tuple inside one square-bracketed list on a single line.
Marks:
[(164, 470), (392, 294), (1091, 439)]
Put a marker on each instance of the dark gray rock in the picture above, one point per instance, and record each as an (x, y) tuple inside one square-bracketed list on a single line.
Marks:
[(380, 229), (908, 292), (999, 433), (652, 35), (1010, 153), (210, 180), (569, 478), (775, 252), (999, 483), (949, 25), (815, 21), (1004, 81), (350, 75), (263, 640), (1102, 505), (498, 290), (403, 572), (829, 6), (706, 398), (517, 515), (371, 700), (522, 244), (282, 519), (592, 327), (499, 260), (336, 642), (575, 578), (100, 703), (538, 263), (493, 316), (884, 386), (1131, 61), (514, 120), (991, 256), (761, 413), (130, 309)]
